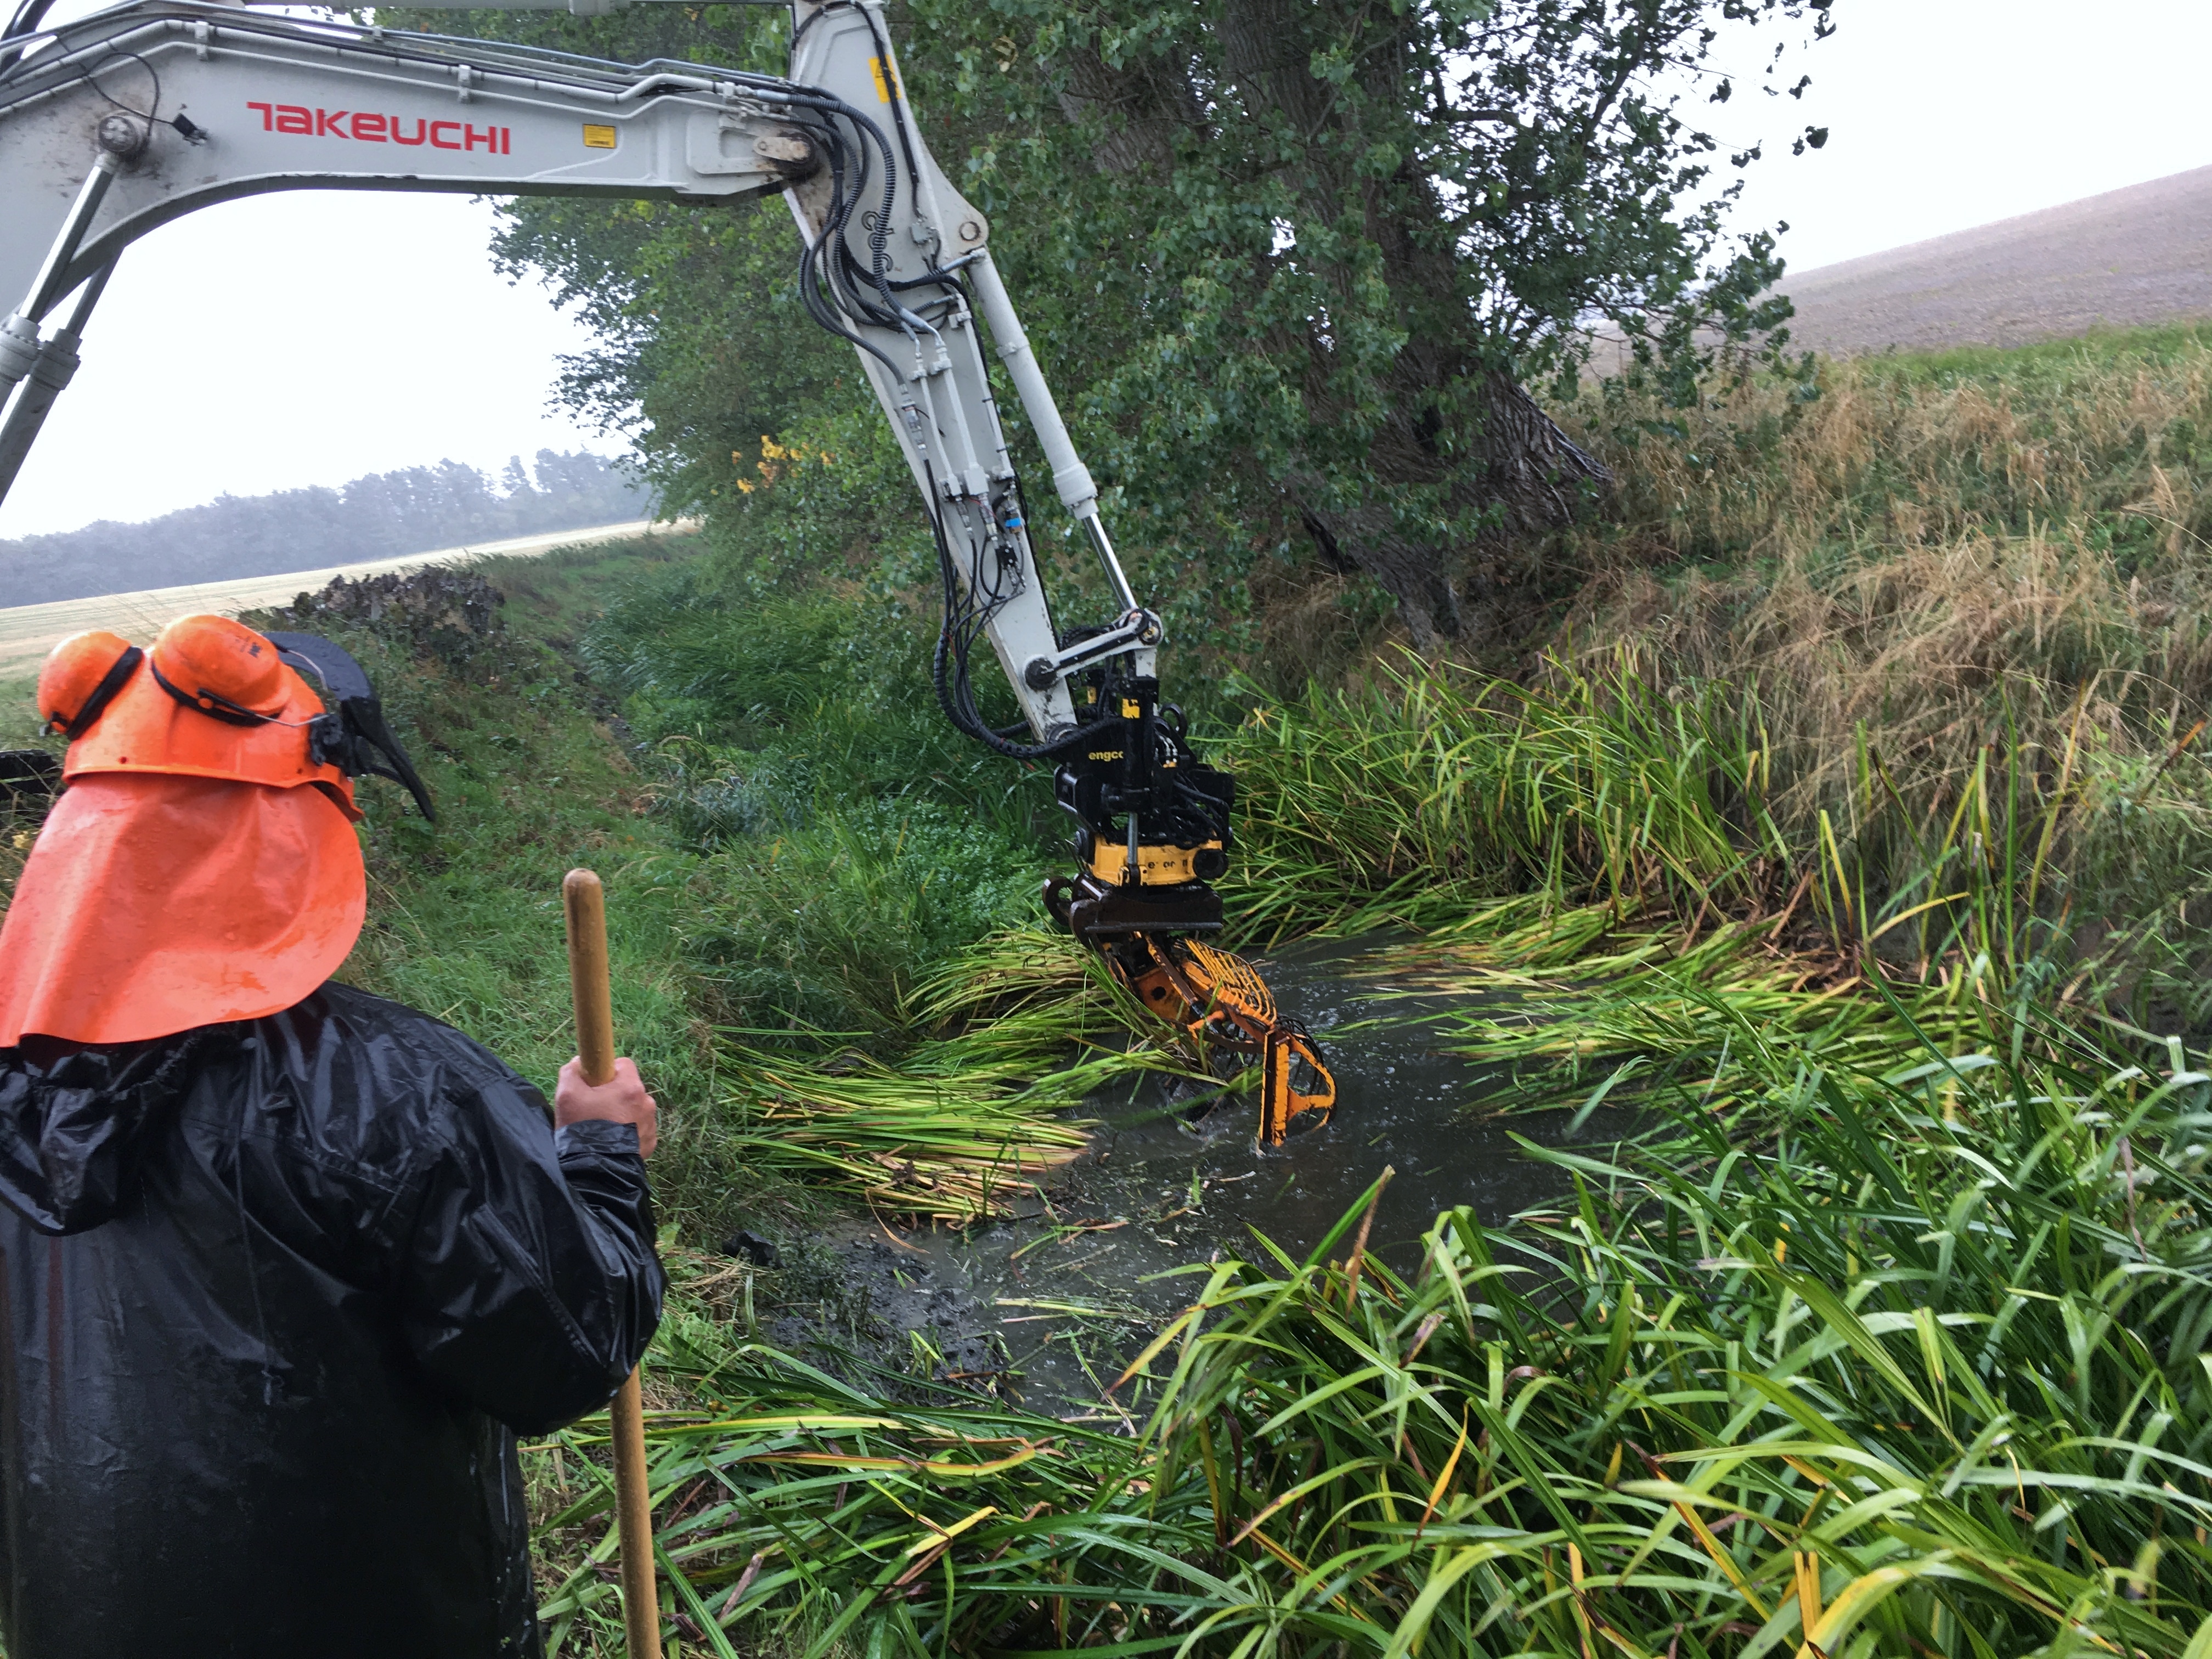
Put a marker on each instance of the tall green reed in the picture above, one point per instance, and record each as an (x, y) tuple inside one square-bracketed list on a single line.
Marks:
[(1912, 1367), (1413, 800), (1427, 799)]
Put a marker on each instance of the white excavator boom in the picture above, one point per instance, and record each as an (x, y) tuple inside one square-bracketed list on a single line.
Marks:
[(112, 125)]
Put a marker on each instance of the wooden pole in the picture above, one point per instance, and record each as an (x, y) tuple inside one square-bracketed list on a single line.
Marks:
[(585, 903)]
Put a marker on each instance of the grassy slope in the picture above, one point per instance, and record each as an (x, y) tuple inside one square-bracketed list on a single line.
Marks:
[(2118, 348), (1935, 556), (531, 777)]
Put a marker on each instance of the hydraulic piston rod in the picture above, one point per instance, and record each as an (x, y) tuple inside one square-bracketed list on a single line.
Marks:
[(1078, 492), (19, 335), (51, 374)]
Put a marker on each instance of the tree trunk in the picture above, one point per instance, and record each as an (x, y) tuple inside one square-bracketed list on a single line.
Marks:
[(1528, 478), (1460, 434), (1503, 460), (1533, 473)]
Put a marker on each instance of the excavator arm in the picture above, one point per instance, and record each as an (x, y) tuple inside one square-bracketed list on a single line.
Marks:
[(112, 125)]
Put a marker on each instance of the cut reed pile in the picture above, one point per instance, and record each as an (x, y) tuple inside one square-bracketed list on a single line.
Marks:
[(960, 1126), (1902, 1362)]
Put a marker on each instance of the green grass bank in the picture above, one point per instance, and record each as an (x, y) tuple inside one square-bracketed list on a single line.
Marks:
[(1845, 813)]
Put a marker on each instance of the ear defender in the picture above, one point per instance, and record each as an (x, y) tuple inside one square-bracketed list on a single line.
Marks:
[(221, 668), (82, 677)]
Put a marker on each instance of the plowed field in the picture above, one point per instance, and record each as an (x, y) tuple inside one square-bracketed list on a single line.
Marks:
[(2130, 257)]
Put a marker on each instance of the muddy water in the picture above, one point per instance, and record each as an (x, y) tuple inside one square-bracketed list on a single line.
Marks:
[(1041, 1308)]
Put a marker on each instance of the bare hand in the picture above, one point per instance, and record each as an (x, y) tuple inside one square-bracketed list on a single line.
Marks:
[(622, 1100)]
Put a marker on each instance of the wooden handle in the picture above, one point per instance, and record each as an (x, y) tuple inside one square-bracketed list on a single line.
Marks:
[(585, 903), (633, 1523)]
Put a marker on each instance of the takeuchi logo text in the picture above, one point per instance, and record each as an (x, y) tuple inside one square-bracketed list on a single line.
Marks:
[(367, 127)]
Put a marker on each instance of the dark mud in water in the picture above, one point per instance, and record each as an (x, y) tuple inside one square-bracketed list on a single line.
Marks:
[(1045, 1309)]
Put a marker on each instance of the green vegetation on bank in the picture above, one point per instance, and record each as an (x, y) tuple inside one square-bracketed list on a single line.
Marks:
[(1900, 1362), (2062, 359), (1849, 826), (1976, 588), (1849, 821)]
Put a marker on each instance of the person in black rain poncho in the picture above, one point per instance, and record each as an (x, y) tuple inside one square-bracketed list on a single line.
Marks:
[(288, 1267)]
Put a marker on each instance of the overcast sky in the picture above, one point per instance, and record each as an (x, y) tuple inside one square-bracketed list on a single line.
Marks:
[(310, 338)]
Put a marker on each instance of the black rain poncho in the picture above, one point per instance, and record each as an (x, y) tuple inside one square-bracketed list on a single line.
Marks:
[(280, 1294)]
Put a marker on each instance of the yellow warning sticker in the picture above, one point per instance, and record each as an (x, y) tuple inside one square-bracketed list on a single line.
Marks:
[(886, 78), (598, 138)]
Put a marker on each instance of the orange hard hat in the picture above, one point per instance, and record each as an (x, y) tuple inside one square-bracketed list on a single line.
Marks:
[(185, 878), (213, 700), (222, 668)]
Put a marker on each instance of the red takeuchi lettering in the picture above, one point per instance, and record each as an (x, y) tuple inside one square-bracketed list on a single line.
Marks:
[(367, 127)]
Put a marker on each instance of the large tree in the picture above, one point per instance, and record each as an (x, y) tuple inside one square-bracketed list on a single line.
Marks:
[(1297, 262), (1356, 230)]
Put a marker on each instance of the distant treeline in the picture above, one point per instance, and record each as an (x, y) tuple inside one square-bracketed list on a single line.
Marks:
[(384, 515)]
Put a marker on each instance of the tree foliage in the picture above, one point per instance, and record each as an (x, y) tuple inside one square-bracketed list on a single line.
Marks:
[(1292, 265)]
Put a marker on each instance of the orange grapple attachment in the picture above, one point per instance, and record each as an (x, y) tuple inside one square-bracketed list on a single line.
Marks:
[(1221, 1000), (1294, 1080)]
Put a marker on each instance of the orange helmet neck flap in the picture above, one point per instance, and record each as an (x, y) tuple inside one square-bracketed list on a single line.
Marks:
[(200, 867)]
